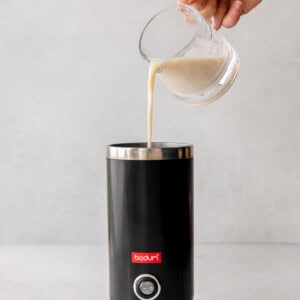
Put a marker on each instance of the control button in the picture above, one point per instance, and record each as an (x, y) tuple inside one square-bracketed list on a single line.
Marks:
[(146, 287)]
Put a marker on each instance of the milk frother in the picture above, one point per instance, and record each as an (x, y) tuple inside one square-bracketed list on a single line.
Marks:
[(150, 218)]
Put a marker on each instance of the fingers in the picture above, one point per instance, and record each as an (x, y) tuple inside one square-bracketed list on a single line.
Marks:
[(233, 15), (200, 3), (213, 10), (210, 9), (222, 10)]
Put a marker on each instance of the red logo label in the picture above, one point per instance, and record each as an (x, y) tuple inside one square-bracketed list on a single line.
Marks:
[(146, 257)]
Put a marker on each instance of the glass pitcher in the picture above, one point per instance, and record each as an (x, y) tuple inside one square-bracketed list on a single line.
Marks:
[(197, 65)]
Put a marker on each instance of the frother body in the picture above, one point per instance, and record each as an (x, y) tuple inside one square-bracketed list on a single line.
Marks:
[(150, 216)]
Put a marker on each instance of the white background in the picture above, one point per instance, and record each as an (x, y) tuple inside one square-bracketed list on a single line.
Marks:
[(72, 81)]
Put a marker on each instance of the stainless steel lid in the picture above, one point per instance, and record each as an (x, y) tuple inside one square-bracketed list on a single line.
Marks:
[(159, 151)]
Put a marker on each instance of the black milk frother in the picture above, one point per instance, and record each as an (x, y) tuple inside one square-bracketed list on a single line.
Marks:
[(150, 216)]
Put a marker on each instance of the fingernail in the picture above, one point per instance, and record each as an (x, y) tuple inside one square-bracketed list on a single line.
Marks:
[(238, 5)]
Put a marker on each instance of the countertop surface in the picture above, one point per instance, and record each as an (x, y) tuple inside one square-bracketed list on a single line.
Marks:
[(225, 272)]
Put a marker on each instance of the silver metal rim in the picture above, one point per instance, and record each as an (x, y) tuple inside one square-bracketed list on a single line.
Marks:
[(158, 151)]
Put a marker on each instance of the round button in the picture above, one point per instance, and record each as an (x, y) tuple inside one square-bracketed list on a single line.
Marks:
[(146, 287)]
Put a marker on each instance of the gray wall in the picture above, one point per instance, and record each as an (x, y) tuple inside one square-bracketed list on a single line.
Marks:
[(72, 81)]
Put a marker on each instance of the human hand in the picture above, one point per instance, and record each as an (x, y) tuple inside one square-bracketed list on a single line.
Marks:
[(223, 12)]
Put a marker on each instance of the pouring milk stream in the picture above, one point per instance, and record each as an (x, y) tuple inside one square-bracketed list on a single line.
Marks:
[(181, 75), (201, 72)]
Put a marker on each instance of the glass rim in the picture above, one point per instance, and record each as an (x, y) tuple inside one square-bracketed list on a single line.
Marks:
[(195, 12)]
